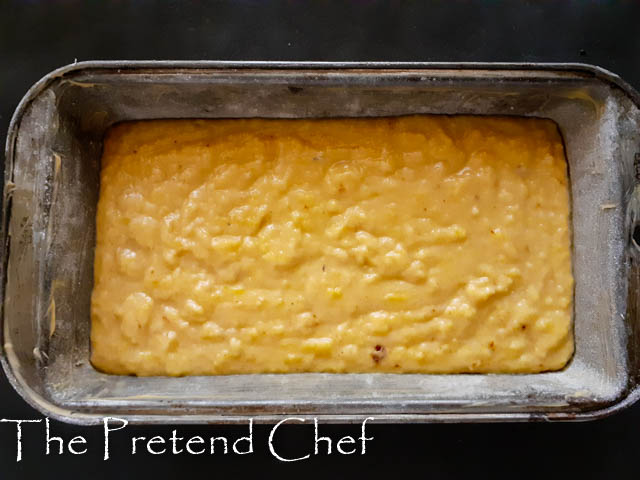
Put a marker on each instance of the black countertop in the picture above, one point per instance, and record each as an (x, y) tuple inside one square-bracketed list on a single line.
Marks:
[(38, 36)]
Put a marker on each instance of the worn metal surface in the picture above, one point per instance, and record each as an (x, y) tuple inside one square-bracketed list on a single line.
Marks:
[(51, 191)]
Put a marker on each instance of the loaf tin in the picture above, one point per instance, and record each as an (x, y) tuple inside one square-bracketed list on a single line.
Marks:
[(51, 190)]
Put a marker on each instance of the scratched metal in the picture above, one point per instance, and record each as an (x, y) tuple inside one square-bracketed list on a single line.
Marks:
[(51, 190)]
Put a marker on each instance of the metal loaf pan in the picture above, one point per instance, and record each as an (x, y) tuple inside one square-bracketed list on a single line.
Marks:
[(51, 190)]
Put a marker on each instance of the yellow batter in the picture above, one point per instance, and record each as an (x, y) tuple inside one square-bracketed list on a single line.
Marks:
[(414, 244)]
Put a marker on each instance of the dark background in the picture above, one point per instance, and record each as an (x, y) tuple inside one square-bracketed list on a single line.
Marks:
[(38, 36)]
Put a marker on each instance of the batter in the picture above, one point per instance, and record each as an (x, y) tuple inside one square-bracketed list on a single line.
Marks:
[(415, 244)]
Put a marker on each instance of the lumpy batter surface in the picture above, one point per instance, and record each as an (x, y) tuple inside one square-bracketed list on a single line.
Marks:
[(412, 244)]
